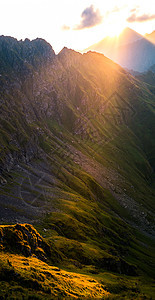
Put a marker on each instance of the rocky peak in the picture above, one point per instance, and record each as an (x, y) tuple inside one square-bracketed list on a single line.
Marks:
[(37, 47), (68, 56), (16, 54)]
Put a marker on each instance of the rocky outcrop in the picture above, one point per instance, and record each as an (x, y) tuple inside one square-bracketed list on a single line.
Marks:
[(23, 239)]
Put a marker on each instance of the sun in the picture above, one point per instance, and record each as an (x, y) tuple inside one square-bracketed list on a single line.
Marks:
[(114, 29)]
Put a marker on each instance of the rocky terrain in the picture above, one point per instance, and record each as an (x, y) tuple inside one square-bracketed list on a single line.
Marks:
[(76, 162)]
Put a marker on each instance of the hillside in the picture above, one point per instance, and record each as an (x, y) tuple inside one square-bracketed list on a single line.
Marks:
[(130, 50), (77, 161), (149, 79)]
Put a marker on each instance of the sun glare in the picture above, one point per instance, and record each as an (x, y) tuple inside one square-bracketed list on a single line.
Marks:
[(114, 30)]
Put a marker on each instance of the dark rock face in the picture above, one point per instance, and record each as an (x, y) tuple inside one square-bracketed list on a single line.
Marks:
[(20, 55), (20, 61)]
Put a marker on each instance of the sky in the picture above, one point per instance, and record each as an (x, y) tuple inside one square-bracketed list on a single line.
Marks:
[(75, 24)]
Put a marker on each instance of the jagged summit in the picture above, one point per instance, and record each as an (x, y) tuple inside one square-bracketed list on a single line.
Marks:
[(33, 52), (68, 50), (68, 53), (68, 56)]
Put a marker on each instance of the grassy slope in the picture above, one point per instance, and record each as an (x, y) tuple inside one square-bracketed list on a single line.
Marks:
[(99, 160), (29, 278), (25, 276)]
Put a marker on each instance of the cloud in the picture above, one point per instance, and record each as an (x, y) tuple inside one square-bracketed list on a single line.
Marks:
[(133, 10), (115, 9), (90, 18), (65, 27), (142, 18)]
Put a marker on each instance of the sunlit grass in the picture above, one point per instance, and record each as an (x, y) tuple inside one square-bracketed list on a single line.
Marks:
[(46, 280)]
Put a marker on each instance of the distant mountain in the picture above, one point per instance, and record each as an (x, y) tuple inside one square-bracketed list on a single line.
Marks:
[(139, 55), (130, 50), (110, 43), (151, 37), (152, 68), (76, 162)]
